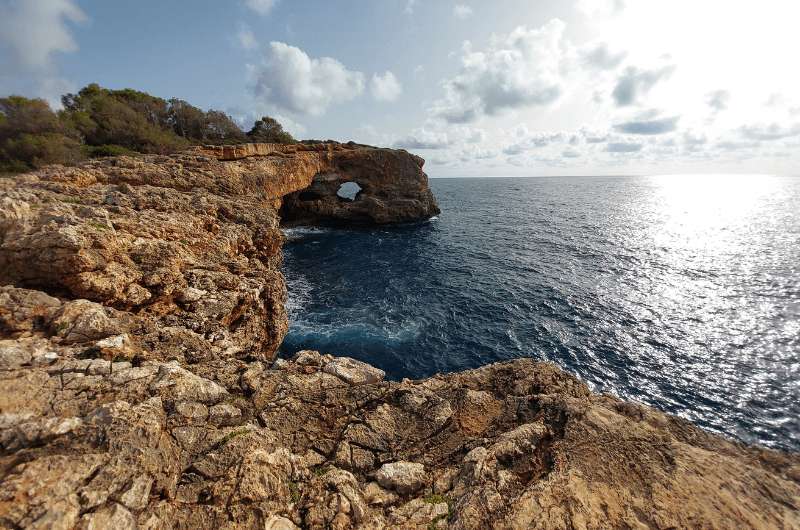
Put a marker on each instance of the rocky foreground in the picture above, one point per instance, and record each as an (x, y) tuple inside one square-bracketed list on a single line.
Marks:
[(140, 310)]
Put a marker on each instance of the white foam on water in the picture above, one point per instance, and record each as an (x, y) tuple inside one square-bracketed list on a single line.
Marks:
[(299, 233), (299, 295)]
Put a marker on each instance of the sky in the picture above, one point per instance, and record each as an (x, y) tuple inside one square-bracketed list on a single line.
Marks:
[(507, 87)]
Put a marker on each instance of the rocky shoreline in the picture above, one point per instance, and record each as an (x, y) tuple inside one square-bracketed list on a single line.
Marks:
[(141, 306)]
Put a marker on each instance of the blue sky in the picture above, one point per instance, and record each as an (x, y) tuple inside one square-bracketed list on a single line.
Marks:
[(509, 87)]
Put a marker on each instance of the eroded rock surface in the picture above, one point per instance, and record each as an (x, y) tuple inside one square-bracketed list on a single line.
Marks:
[(192, 240), (140, 307), (392, 189)]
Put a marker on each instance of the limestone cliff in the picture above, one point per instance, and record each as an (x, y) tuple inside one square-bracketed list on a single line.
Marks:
[(141, 304), (191, 240)]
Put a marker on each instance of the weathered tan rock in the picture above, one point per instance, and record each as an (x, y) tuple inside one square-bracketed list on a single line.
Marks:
[(143, 304), (403, 477), (174, 382), (191, 241), (353, 372)]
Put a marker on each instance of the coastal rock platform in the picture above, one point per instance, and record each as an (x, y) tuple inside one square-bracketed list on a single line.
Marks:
[(141, 306)]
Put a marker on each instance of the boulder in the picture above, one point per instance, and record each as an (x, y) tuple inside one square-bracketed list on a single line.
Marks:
[(403, 477), (354, 372), (179, 384)]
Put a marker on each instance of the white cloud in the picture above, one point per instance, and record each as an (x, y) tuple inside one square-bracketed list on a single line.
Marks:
[(634, 83), (477, 153), (648, 127), (469, 135), (525, 140), (592, 136), (262, 7), (433, 136), (718, 100), (290, 80), (692, 141), (770, 132), (423, 138), (34, 30), (624, 147), (599, 55), (410, 5), (386, 87), (462, 11), (51, 88), (522, 70), (247, 39), (295, 128)]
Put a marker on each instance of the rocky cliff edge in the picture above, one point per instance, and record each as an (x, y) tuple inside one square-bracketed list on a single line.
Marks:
[(140, 309)]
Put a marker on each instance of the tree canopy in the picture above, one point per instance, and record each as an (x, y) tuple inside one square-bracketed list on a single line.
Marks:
[(97, 121), (268, 130)]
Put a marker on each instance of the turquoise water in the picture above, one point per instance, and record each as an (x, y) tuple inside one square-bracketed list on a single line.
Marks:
[(682, 292)]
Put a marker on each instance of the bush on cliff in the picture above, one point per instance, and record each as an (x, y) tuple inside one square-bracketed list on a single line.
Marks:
[(32, 135), (212, 127), (127, 118), (268, 130), (97, 121)]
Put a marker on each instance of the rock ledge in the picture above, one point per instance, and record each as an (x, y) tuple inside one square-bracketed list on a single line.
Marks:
[(141, 305)]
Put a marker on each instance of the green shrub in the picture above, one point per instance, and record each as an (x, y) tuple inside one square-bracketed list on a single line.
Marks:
[(98, 122), (37, 150), (268, 130), (32, 135)]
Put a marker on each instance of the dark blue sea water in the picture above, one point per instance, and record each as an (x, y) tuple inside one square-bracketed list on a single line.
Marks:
[(682, 292)]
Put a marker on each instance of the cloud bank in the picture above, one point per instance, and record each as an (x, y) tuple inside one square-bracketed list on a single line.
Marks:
[(648, 127), (524, 69), (32, 31), (290, 80)]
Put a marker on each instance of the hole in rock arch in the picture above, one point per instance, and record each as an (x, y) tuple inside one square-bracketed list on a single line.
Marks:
[(348, 191)]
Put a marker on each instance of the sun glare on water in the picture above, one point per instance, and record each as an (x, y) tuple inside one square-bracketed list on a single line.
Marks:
[(698, 209)]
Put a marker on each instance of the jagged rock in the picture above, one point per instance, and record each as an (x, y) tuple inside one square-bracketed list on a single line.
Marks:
[(224, 414), (116, 347), (116, 517), (14, 354), (192, 411), (23, 430), (354, 372), (138, 494), (173, 263), (24, 310), (374, 494), (191, 242), (180, 384), (83, 321), (403, 477), (276, 522), (392, 188), (419, 513)]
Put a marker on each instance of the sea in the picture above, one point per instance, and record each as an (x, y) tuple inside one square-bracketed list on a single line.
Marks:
[(678, 291)]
